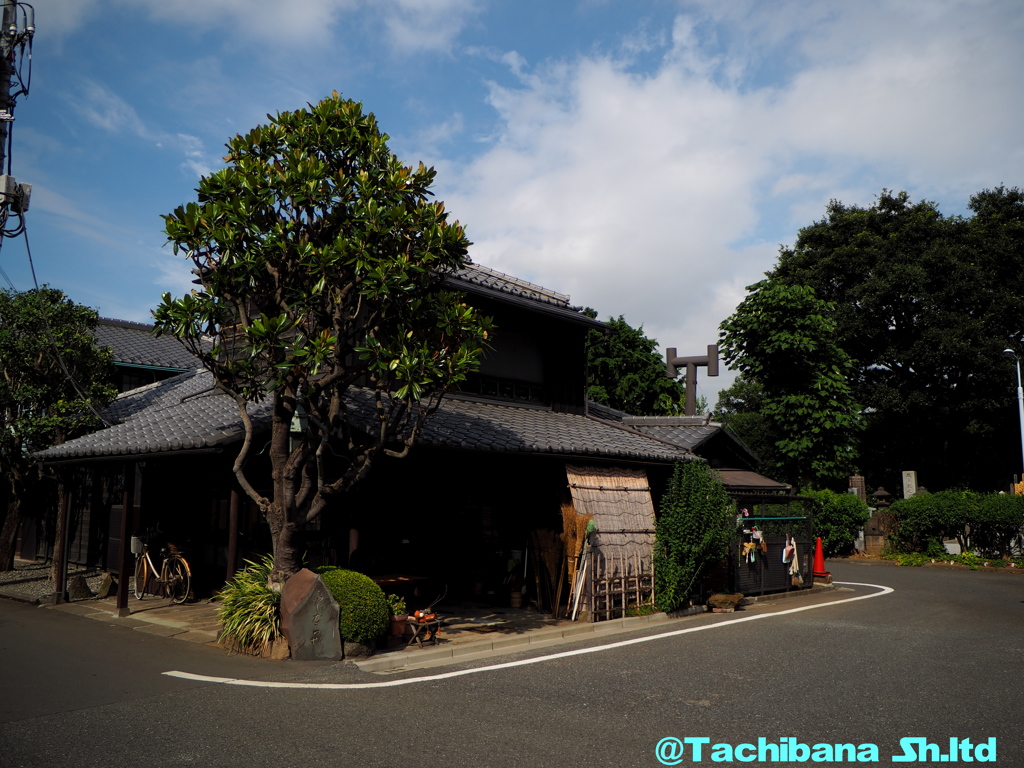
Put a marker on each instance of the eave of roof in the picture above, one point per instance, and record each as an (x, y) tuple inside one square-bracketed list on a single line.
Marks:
[(185, 414), (134, 345), (482, 281)]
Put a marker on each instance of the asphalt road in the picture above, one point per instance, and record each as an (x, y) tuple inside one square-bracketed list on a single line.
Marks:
[(942, 656)]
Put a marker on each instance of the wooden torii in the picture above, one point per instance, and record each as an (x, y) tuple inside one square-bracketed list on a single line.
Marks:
[(709, 361)]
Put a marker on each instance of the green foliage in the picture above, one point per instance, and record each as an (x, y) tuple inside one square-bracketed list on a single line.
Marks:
[(837, 518), (924, 304), (626, 372), (932, 516), (365, 612), (739, 409), (39, 406), (322, 261), (984, 522), (972, 561), (999, 520), (696, 520), (397, 606), (248, 609), (782, 338)]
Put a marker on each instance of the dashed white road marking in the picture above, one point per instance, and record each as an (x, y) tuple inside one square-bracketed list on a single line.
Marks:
[(883, 590)]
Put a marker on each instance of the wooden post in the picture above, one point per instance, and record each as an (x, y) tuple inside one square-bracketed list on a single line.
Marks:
[(125, 568), (60, 545), (233, 506)]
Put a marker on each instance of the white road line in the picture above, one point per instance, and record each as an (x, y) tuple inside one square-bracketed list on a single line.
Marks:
[(537, 659)]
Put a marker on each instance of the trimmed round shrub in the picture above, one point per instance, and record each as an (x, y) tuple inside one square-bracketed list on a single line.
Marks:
[(365, 614)]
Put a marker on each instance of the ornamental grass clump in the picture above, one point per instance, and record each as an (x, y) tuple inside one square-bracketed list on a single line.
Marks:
[(248, 609), (364, 611)]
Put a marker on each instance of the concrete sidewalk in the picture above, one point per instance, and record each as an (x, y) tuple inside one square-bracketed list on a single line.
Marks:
[(192, 622), (469, 632)]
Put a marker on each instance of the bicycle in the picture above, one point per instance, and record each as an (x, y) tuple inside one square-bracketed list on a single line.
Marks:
[(175, 575)]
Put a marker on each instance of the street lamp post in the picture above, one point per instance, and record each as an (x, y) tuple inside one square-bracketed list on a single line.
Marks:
[(1020, 402)]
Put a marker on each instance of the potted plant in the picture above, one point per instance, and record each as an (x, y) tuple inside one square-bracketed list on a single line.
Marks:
[(399, 615)]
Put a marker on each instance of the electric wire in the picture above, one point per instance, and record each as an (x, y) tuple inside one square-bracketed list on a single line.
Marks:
[(25, 40), (9, 281)]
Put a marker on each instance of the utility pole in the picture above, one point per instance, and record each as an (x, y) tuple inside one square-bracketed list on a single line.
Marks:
[(13, 196), (10, 21)]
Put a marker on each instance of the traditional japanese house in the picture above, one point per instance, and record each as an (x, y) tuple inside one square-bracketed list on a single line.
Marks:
[(481, 493)]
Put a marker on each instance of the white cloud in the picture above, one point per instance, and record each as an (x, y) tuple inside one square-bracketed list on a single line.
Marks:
[(104, 109), (661, 195), (60, 18), (410, 26), (414, 26), (305, 22)]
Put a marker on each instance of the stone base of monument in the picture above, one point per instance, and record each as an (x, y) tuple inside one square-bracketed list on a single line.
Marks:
[(353, 650)]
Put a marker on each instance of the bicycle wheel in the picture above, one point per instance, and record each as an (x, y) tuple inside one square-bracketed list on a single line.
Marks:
[(141, 576), (179, 581)]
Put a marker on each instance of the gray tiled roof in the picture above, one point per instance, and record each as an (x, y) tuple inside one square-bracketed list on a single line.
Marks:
[(182, 413), (493, 426), (486, 277), (135, 344), (178, 414), (690, 432)]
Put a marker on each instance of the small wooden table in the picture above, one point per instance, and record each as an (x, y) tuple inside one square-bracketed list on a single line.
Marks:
[(424, 630)]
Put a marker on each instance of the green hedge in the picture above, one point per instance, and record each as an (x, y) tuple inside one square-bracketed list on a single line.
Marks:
[(365, 614), (984, 522)]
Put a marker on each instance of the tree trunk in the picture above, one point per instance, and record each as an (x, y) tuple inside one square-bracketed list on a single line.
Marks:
[(287, 558), (282, 514), (60, 543), (9, 534)]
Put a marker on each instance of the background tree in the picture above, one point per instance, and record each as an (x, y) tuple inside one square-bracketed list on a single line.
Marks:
[(740, 407), (321, 259), (39, 405), (782, 338), (627, 372), (924, 305), (695, 522)]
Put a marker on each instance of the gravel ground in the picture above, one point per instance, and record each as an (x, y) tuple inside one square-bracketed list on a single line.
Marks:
[(29, 581)]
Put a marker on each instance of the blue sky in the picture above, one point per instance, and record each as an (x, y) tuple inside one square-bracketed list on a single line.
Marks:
[(645, 156)]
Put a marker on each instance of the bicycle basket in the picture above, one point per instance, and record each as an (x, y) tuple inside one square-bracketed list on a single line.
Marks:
[(136, 545)]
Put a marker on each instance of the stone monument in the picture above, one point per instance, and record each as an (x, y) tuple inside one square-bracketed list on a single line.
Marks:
[(309, 618)]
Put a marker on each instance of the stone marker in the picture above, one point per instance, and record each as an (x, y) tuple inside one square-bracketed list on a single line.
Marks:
[(724, 603), (309, 618), (78, 589)]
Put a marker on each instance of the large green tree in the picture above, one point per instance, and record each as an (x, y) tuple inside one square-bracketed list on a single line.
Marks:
[(782, 338), (740, 407), (321, 258), (52, 377), (626, 371), (924, 304)]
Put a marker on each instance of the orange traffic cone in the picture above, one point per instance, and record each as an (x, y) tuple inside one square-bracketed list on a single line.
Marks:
[(820, 574)]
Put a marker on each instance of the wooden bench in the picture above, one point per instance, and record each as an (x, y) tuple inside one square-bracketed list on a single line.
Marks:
[(423, 630)]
